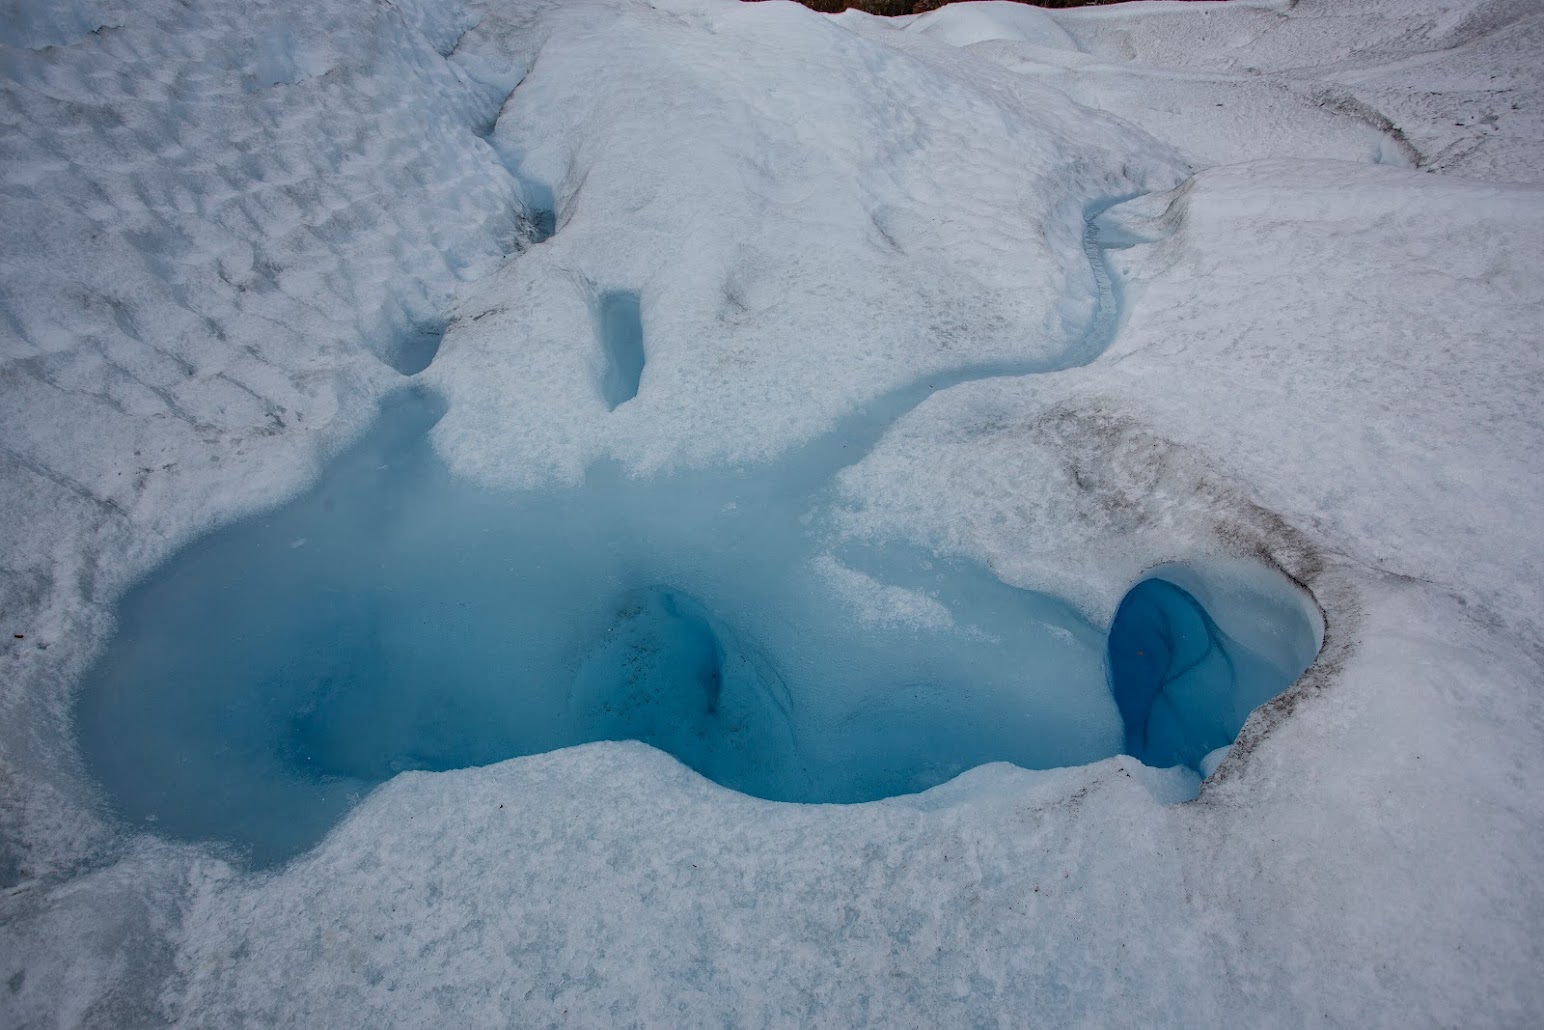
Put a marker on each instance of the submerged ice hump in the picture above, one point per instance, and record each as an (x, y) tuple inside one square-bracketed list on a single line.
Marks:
[(666, 674)]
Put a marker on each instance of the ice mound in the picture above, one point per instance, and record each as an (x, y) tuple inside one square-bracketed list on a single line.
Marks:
[(796, 254), (981, 20)]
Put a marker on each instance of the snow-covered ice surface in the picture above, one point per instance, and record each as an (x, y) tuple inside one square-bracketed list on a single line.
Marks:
[(231, 229)]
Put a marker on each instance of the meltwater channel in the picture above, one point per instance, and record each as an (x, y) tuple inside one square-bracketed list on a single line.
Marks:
[(394, 617)]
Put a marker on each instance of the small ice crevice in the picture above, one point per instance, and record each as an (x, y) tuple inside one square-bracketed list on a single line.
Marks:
[(414, 348), (539, 216), (1109, 304), (619, 323)]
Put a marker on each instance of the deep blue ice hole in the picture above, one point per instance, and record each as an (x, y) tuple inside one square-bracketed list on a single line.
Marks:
[(394, 617), (621, 340)]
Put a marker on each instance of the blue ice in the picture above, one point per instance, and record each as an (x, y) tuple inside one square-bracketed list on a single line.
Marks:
[(1185, 686), (394, 617), (621, 339)]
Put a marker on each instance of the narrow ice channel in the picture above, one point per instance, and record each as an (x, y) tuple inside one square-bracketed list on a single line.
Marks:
[(394, 618), (621, 337)]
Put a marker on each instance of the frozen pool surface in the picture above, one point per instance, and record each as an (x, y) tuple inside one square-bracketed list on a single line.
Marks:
[(394, 617), (397, 618)]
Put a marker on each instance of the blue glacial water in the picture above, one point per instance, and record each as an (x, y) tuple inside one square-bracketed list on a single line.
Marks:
[(1185, 685), (394, 618), (621, 339)]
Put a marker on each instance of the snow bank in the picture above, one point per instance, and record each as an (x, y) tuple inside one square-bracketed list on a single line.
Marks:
[(975, 22)]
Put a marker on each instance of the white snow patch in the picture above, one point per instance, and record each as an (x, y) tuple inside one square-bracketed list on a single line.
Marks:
[(980, 20)]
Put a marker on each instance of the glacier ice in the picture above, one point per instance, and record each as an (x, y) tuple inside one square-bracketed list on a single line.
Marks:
[(1183, 686), (398, 618), (231, 228)]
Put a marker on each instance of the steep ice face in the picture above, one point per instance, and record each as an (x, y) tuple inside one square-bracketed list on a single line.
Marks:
[(621, 339), (1183, 685)]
